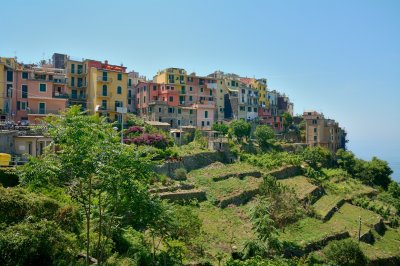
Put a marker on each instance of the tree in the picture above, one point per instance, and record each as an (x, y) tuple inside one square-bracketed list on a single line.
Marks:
[(105, 178), (288, 120), (317, 157), (264, 134), (346, 160), (376, 172), (241, 129), (345, 252), (223, 128)]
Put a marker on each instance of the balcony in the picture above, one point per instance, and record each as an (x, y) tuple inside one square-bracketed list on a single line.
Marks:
[(78, 97), (77, 71), (60, 81), (104, 79), (61, 95), (43, 111)]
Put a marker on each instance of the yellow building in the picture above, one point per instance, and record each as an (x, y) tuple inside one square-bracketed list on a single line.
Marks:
[(261, 86), (98, 87), (7, 67)]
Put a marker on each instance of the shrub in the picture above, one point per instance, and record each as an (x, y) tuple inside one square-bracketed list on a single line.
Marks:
[(344, 252), (180, 174), (264, 134), (8, 177), (42, 243)]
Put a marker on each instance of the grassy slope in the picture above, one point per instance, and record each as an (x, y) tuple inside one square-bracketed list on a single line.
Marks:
[(326, 203), (301, 185), (224, 228), (385, 246)]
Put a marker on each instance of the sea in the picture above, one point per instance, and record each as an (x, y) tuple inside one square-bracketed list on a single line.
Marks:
[(396, 170)]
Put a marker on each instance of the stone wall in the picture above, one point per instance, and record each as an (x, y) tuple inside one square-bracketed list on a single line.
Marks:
[(238, 199), (191, 162), (184, 195), (285, 172), (256, 174)]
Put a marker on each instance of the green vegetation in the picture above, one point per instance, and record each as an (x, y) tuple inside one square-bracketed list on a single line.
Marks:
[(345, 252), (95, 199)]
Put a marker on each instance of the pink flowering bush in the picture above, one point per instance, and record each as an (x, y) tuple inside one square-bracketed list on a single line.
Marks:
[(156, 140)]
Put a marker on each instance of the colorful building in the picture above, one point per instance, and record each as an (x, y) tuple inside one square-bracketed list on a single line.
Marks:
[(323, 132), (39, 91)]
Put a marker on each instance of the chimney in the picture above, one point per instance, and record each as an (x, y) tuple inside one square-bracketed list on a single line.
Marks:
[(106, 62)]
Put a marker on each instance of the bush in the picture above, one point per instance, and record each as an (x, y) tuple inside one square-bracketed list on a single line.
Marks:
[(42, 243), (180, 174), (241, 129), (344, 252), (264, 134)]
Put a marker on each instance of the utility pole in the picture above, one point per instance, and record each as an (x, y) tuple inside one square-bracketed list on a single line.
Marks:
[(359, 229)]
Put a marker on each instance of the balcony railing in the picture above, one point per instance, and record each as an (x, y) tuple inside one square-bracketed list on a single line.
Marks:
[(104, 79), (77, 71), (60, 81), (41, 111), (78, 96), (60, 95)]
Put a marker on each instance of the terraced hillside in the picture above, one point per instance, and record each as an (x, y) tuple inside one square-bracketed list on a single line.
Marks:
[(230, 193)]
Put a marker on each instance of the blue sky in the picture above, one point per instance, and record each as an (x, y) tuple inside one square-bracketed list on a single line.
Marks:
[(338, 57)]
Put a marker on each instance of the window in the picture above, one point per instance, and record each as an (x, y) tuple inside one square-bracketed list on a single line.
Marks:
[(170, 110), (72, 68), (167, 87), (154, 88), (206, 114), (255, 110), (18, 105), (129, 82), (242, 108), (119, 90), (315, 138), (190, 98), (208, 123), (42, 108), (104, 92), (210, 92), (144, 88), (24, 105), (105, 76), (190, 122), (119, 77), (24, 75), (24, 90), (201, 89), (315, 130), (191, 88), (221, 110), (104, 104), (42, 87), (129, 94), (72, 81), (171, 98), (202, 123), (172, 88), (129, 101), (248, 109), (159, 109), (191, 112), (179, 111), (144, 99), (118, 104), (80, 69), (179, 122)]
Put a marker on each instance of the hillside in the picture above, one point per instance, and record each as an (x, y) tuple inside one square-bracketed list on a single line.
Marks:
[(231, 192)]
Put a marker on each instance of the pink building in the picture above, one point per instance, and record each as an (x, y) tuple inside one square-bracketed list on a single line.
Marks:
[(274, 121), (205, 115), (39, 91)]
